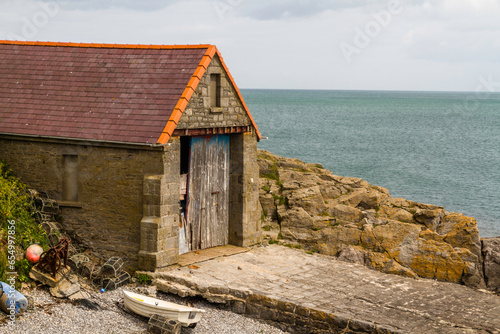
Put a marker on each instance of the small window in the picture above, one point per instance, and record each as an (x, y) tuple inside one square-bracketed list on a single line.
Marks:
[(215, 90), (70, 178)]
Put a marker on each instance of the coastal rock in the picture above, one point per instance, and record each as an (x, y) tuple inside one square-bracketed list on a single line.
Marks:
[(383, 263), (337, 238), (491, 256), (437, 260), (473, 271), (461, 231), (268, 205), (357, 222), (310, 199), (430, 218), (346, 213), (374, 198), (353, 198), (396, 213)]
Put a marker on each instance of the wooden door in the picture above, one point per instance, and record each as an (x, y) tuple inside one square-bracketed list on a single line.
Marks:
[(208, 193)]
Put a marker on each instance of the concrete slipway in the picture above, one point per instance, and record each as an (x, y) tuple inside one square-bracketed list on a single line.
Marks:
[(306, 293)]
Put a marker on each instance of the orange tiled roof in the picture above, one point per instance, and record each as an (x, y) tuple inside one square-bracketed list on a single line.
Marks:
[(107, 92)]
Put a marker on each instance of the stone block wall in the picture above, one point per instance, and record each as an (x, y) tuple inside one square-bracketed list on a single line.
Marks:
[(128, 195), (160, 223), (200, 114), (107, 215), (252, 232), (244, 206)]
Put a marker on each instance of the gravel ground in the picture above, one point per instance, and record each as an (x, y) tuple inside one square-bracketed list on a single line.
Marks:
[(53, 316)]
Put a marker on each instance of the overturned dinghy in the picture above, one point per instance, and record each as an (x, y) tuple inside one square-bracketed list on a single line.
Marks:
[(147, 306)]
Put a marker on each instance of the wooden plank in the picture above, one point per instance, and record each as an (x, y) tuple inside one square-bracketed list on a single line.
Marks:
[(210, 131), (208, 193)]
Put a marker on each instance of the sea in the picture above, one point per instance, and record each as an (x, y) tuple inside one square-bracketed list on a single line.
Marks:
[(440, 148)]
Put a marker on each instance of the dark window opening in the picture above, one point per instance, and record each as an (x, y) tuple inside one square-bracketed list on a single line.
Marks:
[(70, 178), (215, 90), (185, 142), (185, 151)]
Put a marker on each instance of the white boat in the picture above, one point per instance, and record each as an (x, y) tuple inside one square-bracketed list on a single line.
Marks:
[(147, 306)]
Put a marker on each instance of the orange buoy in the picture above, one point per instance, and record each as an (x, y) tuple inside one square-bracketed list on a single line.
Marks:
[(33, 253)]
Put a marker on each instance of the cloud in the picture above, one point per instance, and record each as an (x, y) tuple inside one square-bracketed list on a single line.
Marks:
[(438, 44), (92, 5), (452, 31), (288, 9)]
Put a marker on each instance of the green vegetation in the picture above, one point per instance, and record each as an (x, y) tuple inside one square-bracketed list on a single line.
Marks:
[(144, 279), (301, 170), (280, 198), (325, 214), (311, 252), (23, 270), (18, 228), (273, 175)]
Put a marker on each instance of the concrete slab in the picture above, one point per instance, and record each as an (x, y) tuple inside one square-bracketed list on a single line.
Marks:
[(318, 294), (209, 254)]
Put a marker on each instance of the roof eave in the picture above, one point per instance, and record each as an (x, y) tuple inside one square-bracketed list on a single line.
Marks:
[(191, 88), (80, 141)]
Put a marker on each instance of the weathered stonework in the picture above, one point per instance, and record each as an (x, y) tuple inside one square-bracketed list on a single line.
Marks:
[(244, 208), (110, 189), (305, 293), (119, 188), (128, 195), (160, 223), (200, 114)]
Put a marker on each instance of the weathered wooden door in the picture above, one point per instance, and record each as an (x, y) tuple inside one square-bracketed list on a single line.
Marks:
[(208, 193)]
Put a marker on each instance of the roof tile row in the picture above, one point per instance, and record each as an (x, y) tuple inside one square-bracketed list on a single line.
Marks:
[(111, 93)]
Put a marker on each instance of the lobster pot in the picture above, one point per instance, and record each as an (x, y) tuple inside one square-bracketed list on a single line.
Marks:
[(112, 267), (160, 325), (115, 282)]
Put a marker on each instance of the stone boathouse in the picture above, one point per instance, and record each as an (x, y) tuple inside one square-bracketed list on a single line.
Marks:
[(149, 149)]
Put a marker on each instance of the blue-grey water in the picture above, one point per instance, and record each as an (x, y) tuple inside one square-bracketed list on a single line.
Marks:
[(440, 148)]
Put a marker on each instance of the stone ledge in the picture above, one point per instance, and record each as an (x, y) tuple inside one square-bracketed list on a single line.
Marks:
[(283, 314)]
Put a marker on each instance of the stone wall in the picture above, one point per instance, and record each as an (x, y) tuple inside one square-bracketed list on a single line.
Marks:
[(128, 195), (244, 207), (160, 223), (200, 114), (106, 218)]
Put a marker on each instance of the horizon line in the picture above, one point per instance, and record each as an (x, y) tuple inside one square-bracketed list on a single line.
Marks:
[(373, 90)]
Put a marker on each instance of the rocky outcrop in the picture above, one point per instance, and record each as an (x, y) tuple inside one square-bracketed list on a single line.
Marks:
[(305, 205), (491, 257)]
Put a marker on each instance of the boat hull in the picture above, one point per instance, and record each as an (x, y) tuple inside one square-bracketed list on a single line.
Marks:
[(147, 306)]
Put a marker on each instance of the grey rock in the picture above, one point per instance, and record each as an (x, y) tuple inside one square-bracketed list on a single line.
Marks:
[(65, 288), (491, 263)]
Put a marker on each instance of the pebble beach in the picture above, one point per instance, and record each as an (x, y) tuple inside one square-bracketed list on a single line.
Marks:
[(101, 313)]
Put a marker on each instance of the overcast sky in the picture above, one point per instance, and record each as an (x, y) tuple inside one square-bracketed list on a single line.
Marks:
[(444, 45)]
